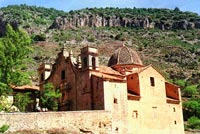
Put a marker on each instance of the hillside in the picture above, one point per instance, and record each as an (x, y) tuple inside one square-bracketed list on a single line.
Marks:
[(167, 39)]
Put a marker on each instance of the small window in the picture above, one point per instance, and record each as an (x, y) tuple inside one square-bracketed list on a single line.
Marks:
[(93, 63), (174, 109), (135, 114), (62, 74), (175, 122), (131, 77), (152, 81), (42, 77), (115, 100)]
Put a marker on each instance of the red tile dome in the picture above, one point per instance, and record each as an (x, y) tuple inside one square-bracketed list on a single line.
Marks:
[(124, 55)]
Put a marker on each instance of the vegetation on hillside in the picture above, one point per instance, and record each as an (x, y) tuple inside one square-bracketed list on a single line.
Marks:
[(30, 15), (154, 14)]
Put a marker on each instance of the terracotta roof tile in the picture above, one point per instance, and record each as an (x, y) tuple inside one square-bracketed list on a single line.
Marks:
[(108, 70)]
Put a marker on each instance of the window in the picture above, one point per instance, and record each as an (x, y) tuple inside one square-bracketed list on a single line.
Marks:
[(135, 114), (174, 109), (62, 74), (42, 77), (93, 63), (152, 81), (115, 100), (175, 122)]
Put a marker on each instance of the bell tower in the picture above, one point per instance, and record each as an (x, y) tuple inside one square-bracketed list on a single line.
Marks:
[(89, 58), (44, 72)]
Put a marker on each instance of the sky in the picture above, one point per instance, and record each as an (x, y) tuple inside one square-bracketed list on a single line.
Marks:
[(67, 5)]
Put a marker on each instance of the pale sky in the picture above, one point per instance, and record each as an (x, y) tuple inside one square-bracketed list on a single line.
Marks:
[(67, 5)]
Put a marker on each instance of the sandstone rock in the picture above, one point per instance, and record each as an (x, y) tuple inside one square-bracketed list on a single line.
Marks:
[(197, 24), (98, 21), (191, 25)]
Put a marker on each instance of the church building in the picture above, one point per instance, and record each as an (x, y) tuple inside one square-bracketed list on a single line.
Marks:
[(138, 96)]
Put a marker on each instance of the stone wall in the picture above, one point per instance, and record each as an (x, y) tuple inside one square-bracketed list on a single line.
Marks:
[(94, 122)]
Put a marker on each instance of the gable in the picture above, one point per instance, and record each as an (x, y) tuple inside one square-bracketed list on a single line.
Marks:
[(151, 72)]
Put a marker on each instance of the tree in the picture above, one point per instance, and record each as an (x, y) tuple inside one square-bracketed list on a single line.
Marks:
[(14, 57), (176, 9), (49, 97)]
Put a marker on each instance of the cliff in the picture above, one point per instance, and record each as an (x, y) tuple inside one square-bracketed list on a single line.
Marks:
[(116, 21)]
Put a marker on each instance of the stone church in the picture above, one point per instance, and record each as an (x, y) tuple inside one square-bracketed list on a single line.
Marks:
[(140, 99)]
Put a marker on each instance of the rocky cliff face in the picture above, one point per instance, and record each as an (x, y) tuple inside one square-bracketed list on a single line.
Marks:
[(99, 21), (115, 21)]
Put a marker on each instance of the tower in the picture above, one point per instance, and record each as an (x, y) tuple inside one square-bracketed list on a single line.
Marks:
[(89, 58), (44, 72)]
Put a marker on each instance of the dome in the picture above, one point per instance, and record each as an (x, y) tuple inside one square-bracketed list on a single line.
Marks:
[(124, 55)]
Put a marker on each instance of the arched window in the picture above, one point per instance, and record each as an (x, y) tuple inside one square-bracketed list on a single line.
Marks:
[(93, 63)]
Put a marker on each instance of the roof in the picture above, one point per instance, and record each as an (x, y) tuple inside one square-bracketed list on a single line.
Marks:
[(124, 55), (177, 86), (108, 73), (108, 77), (26, 87), (108, 70), (141, 69)]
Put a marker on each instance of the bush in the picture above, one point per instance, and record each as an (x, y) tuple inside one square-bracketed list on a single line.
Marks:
[(49, 97), (4, 128), (191, 108), (40, 37), (194, 122), (120, 37), (181, 83), (22, 100), (189, 91), (91, 38), (5, 104)]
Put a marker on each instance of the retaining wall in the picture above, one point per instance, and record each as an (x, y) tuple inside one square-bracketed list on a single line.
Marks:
[(75, 122)]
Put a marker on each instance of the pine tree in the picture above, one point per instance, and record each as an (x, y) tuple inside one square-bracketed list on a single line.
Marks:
[(15, 48)]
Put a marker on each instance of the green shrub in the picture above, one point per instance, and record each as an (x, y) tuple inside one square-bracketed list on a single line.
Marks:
[(22, 100), (189, 91), (194, 122), (40, 37), (191, 108), (180, 82), (91, 38), (49, 97), (4, 128)]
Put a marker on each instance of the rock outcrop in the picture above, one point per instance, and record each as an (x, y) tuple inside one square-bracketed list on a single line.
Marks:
[(99, 21), (116, 21), (3, 24)]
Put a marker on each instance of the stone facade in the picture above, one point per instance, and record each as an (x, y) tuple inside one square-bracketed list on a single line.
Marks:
[(139, 98)]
